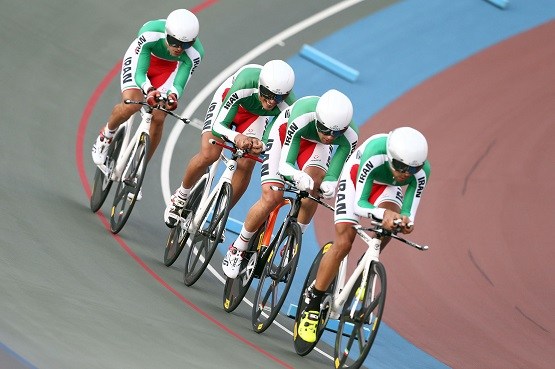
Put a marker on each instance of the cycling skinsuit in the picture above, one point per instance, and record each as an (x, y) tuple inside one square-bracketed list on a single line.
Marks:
[(367, 180), (148, 63), (293, 139), (240, 107)]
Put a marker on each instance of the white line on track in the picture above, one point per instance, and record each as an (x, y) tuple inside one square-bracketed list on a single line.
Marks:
[(211, 87)]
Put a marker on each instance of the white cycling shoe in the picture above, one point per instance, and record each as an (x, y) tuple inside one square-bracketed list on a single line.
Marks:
[(231, 264), (100, 148), (173, 210)]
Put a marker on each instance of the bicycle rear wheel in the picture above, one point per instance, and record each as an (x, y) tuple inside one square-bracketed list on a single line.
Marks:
[(360, 319), (102, 183), (208, 236), (301, 346), (130, 184), (236, 288), (277, 277), (179, 234)]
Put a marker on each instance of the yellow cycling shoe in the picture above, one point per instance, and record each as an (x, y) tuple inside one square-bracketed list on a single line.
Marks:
[(308, 325)]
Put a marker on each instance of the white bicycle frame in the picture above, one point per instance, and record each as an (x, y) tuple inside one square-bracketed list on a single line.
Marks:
[(197, 222), (343, 288), (128, 144)]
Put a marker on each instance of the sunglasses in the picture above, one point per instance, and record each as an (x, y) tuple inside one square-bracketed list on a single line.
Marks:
[(269, 95), (405, 168), (328, 132), (173, 42)]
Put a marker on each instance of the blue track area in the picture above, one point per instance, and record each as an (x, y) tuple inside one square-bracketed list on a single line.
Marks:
[(394, 51)]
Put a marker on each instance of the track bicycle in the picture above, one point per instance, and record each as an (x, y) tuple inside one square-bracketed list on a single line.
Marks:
[(357, 302), (202, 221), (275, 263), (126, 164), (236, 288)]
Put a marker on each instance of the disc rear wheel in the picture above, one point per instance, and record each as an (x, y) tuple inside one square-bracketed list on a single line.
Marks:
[(208, 236), (236, 288), (179, 234), (102, 182), (277, 277), (130, 184)]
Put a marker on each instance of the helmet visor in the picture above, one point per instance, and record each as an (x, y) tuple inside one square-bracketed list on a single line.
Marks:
[(172, 41), (399, 166), (269, 95), (329, 132)]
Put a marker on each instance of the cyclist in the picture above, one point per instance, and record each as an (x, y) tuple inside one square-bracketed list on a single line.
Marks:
[(304, 134), (245, 101), (160, 61), (371, 186)]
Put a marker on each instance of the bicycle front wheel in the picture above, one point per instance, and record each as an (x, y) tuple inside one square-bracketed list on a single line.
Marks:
[(208, 236), (179, 234), (301, 346), (360, 319), (102, 182), (277, 277), (236, 288), (130, 184)]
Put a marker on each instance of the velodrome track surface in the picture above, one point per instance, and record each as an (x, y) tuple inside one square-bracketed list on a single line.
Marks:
[(73, 297)]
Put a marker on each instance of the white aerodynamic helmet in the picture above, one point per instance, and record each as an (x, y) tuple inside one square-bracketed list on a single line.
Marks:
[(334, 112), (407, 149), (276, 80), (183, 26)]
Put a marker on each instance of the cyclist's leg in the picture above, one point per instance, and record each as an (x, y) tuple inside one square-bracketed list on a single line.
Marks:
[(250, 125), (208, 153), (121, 111), (259, 212), (156, 128), (196, 168), (329, 265), (199, 163), (270, 176)]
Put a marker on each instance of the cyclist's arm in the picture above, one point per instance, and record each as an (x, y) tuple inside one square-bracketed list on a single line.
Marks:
[(148, 36), (143, 63), (369, 162), (230, 106), (346, 144), (296, 128), (186, 68), (414, 191)]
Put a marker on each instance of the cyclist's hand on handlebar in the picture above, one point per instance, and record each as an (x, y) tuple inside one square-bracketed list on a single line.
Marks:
[(328, 189), (257, 146), (407, 226), (391, 220), (303, 181), (243, 142), (171, 103), (395, 221), (152, 97)]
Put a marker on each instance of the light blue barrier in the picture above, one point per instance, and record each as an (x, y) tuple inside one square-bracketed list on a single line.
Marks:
[(499, 3), (329, 63)]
